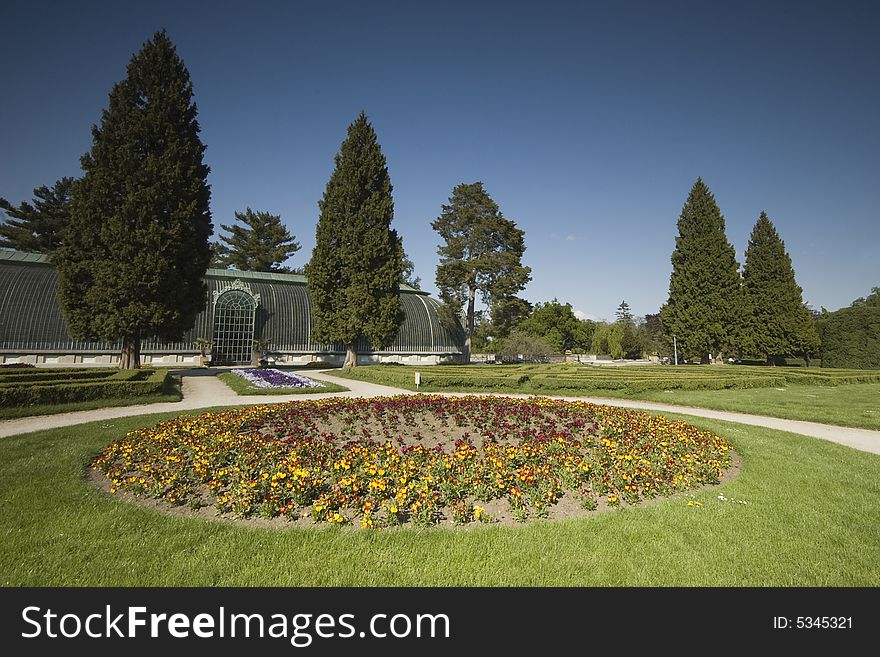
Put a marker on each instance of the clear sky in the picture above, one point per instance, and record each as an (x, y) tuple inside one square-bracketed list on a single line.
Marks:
[(588, 122)]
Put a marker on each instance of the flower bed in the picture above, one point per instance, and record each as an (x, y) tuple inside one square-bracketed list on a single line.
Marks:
[(413, 459), (271, 378)]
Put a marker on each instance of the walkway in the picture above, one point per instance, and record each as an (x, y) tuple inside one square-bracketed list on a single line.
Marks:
[(201, 390)]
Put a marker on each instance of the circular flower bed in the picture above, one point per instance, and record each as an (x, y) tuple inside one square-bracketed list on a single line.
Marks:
[(415, 459)]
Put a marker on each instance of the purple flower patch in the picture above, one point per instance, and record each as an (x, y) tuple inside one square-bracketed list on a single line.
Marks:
[(269, 378)]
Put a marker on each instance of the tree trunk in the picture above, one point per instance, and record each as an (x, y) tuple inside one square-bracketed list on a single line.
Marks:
[(351, 355), (469, 331), (130, 358)]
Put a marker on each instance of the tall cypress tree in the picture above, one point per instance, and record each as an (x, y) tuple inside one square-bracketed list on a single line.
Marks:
[(705, 303), (258, 242), (136, 247), (357, 265), (780, 323), (39, 227)]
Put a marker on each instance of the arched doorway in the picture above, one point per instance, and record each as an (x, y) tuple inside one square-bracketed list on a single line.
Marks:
[(234, 314)]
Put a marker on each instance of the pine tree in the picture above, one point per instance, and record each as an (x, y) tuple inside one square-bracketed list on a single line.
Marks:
[(136, 248), (781, 325), (38, 228), (258, 242), (705, 297), (483, 252), (623, 313), (357, 265)]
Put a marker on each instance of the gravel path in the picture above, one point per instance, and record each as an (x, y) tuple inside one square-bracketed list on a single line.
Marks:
[(201, 390)]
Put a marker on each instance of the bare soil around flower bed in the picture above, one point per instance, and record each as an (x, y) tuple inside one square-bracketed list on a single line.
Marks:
[(412, 460)]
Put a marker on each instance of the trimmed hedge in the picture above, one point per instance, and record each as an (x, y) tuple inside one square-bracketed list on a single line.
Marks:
[(52, 376), (121, 384), (585, 379)]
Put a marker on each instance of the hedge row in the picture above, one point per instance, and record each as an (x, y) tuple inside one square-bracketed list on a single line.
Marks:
[(550, 382), (585, 378), (50, 376), (642, 385), (121, 385)]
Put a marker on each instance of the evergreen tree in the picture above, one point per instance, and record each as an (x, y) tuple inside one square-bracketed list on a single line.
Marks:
[(258, 242), (136, 247), (482, 252), (38, 228), (623, 313), (780, 324), (508, 313), (851, 336), (409, 274), (357, 265), (705, 297)]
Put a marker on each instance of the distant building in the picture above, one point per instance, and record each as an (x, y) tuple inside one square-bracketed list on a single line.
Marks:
[(241, 307)]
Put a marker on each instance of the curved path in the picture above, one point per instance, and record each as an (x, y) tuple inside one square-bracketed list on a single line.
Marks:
[(201, 389)]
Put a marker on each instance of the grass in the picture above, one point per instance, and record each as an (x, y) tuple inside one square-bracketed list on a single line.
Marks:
[(810, 519), (845, 404), (244, 387), (173, 395), (853, 405)]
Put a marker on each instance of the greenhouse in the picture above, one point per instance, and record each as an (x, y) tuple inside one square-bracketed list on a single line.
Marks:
[(241, 307)]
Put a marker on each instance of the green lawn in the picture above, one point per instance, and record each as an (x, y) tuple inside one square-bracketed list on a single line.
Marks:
[(853, 405), (244, 387), (834, 402), (809, 519)]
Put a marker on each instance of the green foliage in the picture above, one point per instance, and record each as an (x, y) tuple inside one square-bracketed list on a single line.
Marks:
[(482, 251), (609, 339), (521, 343), (136, 247), (705, 303), (654, 339), (357, 265), (623, 313), (632, 340), (556, 323), (68, 388), (259, 242), (38, 228), (779, 324), (586, 379), (409, 273), (506, 314), (851, 336)]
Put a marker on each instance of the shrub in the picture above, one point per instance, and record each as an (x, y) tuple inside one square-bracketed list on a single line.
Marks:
[(122, 384)]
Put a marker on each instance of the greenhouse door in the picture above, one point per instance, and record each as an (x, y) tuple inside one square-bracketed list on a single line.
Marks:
[(234, 313)]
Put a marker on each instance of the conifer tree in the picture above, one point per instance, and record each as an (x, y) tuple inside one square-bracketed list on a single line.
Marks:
[(623, 313), (482, 252), (38, 228), (409, 273), (851, 335), (258, 242), (136, 247), (356, 268), (705, 303), (780, 324)]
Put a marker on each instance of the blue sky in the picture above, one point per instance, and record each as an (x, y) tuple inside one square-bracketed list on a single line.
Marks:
[(587, 122)]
